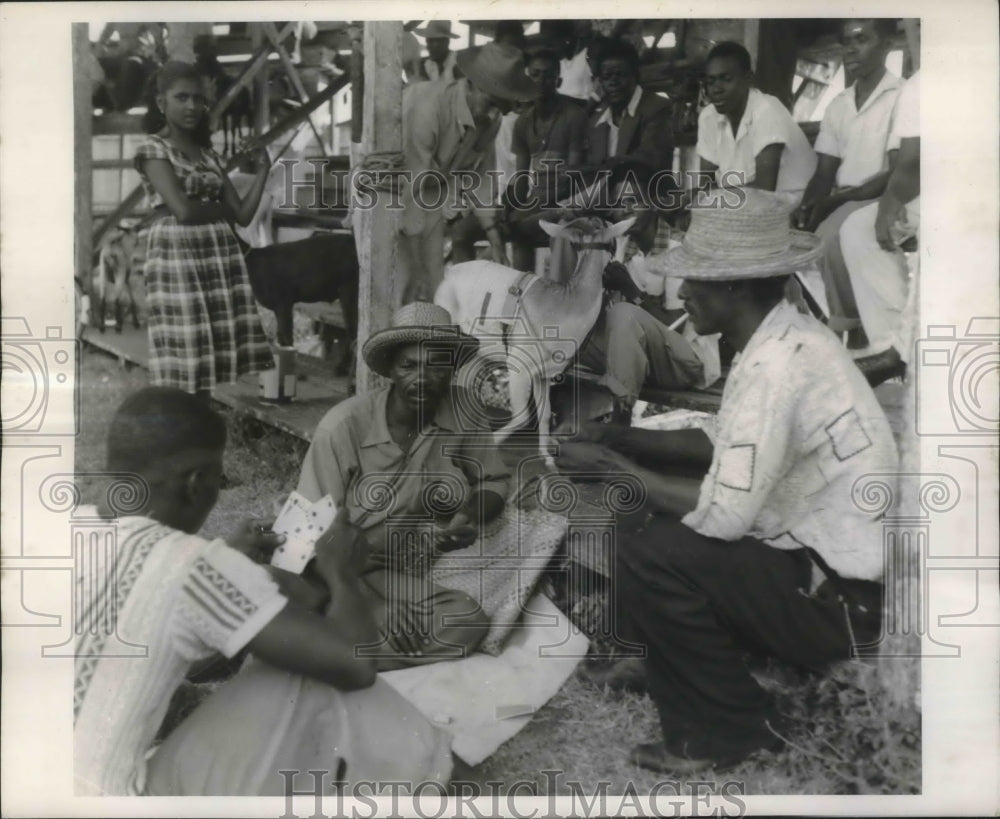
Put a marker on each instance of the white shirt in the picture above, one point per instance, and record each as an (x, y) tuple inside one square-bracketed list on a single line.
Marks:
[(906, 121), (633, 104), (575, 77), (798, 427), (859, 137), (765, 121)]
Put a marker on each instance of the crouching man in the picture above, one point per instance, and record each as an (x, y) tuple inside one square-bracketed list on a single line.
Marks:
[(418, 477), (305, 701), (767, 552)]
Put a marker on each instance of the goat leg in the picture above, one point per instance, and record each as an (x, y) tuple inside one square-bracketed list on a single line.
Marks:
[(284, 315)]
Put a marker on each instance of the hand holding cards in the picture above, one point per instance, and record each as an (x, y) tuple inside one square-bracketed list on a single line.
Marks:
[(302, 523)]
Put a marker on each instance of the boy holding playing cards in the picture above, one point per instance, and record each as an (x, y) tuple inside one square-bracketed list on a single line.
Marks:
[(179, 598)]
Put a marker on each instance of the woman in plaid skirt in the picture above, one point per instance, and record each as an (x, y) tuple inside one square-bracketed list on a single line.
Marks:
[(203, 322)]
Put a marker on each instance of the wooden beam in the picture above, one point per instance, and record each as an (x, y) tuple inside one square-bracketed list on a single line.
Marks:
[(130, 202), (83, 147), (272, 34), (377, 229)]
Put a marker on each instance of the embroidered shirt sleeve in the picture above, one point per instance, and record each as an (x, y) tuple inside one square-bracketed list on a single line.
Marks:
[(226, 599)]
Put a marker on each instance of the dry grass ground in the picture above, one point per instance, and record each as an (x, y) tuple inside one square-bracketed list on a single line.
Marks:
[(852, 733)]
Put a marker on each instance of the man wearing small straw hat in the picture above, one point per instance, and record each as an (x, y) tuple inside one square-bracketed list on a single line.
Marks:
[(409, 461), (768, 552), (450, 129)]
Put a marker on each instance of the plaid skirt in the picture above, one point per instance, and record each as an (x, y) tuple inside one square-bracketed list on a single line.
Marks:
[(204, 328)]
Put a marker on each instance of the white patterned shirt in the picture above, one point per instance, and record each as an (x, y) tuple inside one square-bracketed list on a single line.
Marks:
[(178, 598), (798, 426)]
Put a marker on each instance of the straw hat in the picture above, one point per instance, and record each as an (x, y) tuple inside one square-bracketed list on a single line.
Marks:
[(436, 29), (414, 323), (498, 70), (753, 240)]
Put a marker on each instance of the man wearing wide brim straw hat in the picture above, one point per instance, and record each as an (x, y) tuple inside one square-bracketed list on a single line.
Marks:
[(451, 128), (440, 63), (768, 550), (411, 459)]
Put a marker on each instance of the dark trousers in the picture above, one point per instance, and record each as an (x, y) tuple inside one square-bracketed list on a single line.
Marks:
[(700, 606)]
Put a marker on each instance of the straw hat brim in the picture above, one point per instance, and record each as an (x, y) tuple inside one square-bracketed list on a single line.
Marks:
[(680, 262), (434, 33), (379, 349), (514, 88)]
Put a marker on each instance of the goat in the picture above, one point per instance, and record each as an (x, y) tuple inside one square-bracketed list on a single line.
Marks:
[(323, 267), (114, 285), (550, 319)]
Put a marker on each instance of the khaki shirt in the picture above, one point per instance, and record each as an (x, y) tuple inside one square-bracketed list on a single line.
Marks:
[(353, 459), (436, 118)]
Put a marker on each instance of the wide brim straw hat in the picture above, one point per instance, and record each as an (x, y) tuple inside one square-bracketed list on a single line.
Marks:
[(498, 70), (416, 323), (436, 29), (739, 233)]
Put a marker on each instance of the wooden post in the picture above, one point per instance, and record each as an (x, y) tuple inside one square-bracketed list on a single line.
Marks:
[(751, 38), (262, 116), (83, 148), (376, 229)]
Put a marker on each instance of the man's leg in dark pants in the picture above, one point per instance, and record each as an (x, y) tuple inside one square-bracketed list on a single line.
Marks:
[(699, 605)]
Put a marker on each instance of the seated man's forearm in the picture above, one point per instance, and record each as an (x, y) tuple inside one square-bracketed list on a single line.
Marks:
[(690, 447), (670, 495)]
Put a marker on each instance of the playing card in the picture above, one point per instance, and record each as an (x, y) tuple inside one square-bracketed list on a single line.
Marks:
[(322, 513), (294, 554), (301, 522)]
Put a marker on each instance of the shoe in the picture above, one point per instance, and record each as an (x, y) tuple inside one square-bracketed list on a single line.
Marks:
[(623, 675), (653, 756), (881, 366)]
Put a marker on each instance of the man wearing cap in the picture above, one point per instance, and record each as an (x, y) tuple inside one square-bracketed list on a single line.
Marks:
[(448, 129), (768, 552), (440, 65), (419, 475)]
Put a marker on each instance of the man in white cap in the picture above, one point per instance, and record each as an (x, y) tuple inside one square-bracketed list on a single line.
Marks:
[(440, 65), (448, 140), (768, 552), (407, 460)]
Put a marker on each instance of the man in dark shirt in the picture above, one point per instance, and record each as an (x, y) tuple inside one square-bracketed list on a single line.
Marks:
[(548, 138)]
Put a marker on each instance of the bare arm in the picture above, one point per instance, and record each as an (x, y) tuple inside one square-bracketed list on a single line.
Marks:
[(325, 647), (244, 209), (903, 187), (188, 211), (671, 494)]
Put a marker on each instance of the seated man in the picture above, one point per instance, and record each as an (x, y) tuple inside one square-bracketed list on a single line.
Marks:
[(632, 345), (632, 128), (853, 161), (746, 137), (767, 552), (870, 240), (414, 473), (181, 599), (450, 129)]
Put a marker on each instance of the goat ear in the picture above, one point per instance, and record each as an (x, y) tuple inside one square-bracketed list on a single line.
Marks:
[(551, 228), (619, 228)]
